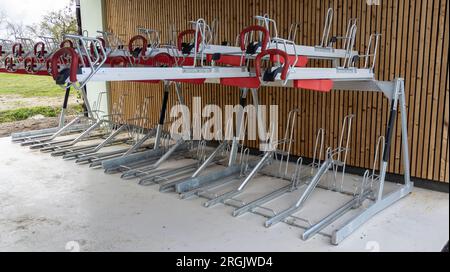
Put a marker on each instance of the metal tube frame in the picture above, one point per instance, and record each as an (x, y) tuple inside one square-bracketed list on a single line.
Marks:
[(381, 202), (213, 158)]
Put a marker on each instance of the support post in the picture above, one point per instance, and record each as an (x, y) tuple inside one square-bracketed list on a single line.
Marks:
[(162, 115), (405, 145), (62, 115), (384, 202), (240, 126)]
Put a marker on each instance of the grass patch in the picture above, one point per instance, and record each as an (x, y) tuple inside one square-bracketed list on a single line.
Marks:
[(29, 86), (25, 113)]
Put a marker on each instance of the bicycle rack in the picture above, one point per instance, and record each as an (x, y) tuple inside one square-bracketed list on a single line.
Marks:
[(152, 175), (196, 150), (236, 162), (326, 50), (298, 179), (225, 153), (176, 150), (130, 163), (334, 160), (269, 157), (21, 49), (114, 125), (327, 43), (196, 182), (37, 61), (167, 176), (112, 41), (327, 28), (5, 51), (365, 191), (90, 59), (370, 57), (136, 132), (349, 44), (50, 144), (201, 30), (25, 57)]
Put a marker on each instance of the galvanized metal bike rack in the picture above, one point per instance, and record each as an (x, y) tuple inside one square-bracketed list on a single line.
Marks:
[(95, 122), (135, 128), (335, 158), (270, 157), (224, 154), (288, 70), (133, 164), (29, 59), (114, 124), (301, 173)]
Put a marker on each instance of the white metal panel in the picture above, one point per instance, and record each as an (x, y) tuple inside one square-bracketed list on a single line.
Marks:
[(92, 21)]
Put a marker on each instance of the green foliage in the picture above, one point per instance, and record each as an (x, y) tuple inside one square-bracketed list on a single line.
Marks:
[(58, 23), (25, 113), (29, 86), (54, 23)]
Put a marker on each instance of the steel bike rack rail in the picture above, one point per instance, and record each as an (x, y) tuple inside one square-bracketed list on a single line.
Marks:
[(226, 153), (114, 125), (270, 157), (93, 123), (135, 129)]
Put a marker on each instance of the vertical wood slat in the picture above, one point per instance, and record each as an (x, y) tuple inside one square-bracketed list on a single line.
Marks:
[(414, 46)]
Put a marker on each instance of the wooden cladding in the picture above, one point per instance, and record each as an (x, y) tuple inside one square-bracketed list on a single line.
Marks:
[(414, 46)]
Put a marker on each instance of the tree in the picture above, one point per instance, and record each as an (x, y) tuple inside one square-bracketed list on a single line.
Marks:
[(58, 23), (54, 24)]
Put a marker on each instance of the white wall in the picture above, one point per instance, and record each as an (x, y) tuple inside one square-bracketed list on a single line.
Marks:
[(92, 21)]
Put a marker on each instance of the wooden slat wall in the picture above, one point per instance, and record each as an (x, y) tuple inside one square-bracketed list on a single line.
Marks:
[(414, 46)]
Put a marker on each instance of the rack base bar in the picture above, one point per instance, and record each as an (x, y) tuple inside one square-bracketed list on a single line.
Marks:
[(221, 199), (198, 191), (67, 155), (45, 133), (303, 198), (96, 159), (53, 136), (263, 200), (116, 165), (194, 183), (353, 224), (329, 219), (159, 176)]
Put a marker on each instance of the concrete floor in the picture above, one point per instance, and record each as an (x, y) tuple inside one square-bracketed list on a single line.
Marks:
[(47, 204)]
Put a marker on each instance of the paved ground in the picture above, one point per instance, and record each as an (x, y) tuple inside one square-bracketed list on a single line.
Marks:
[(47, 204)]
